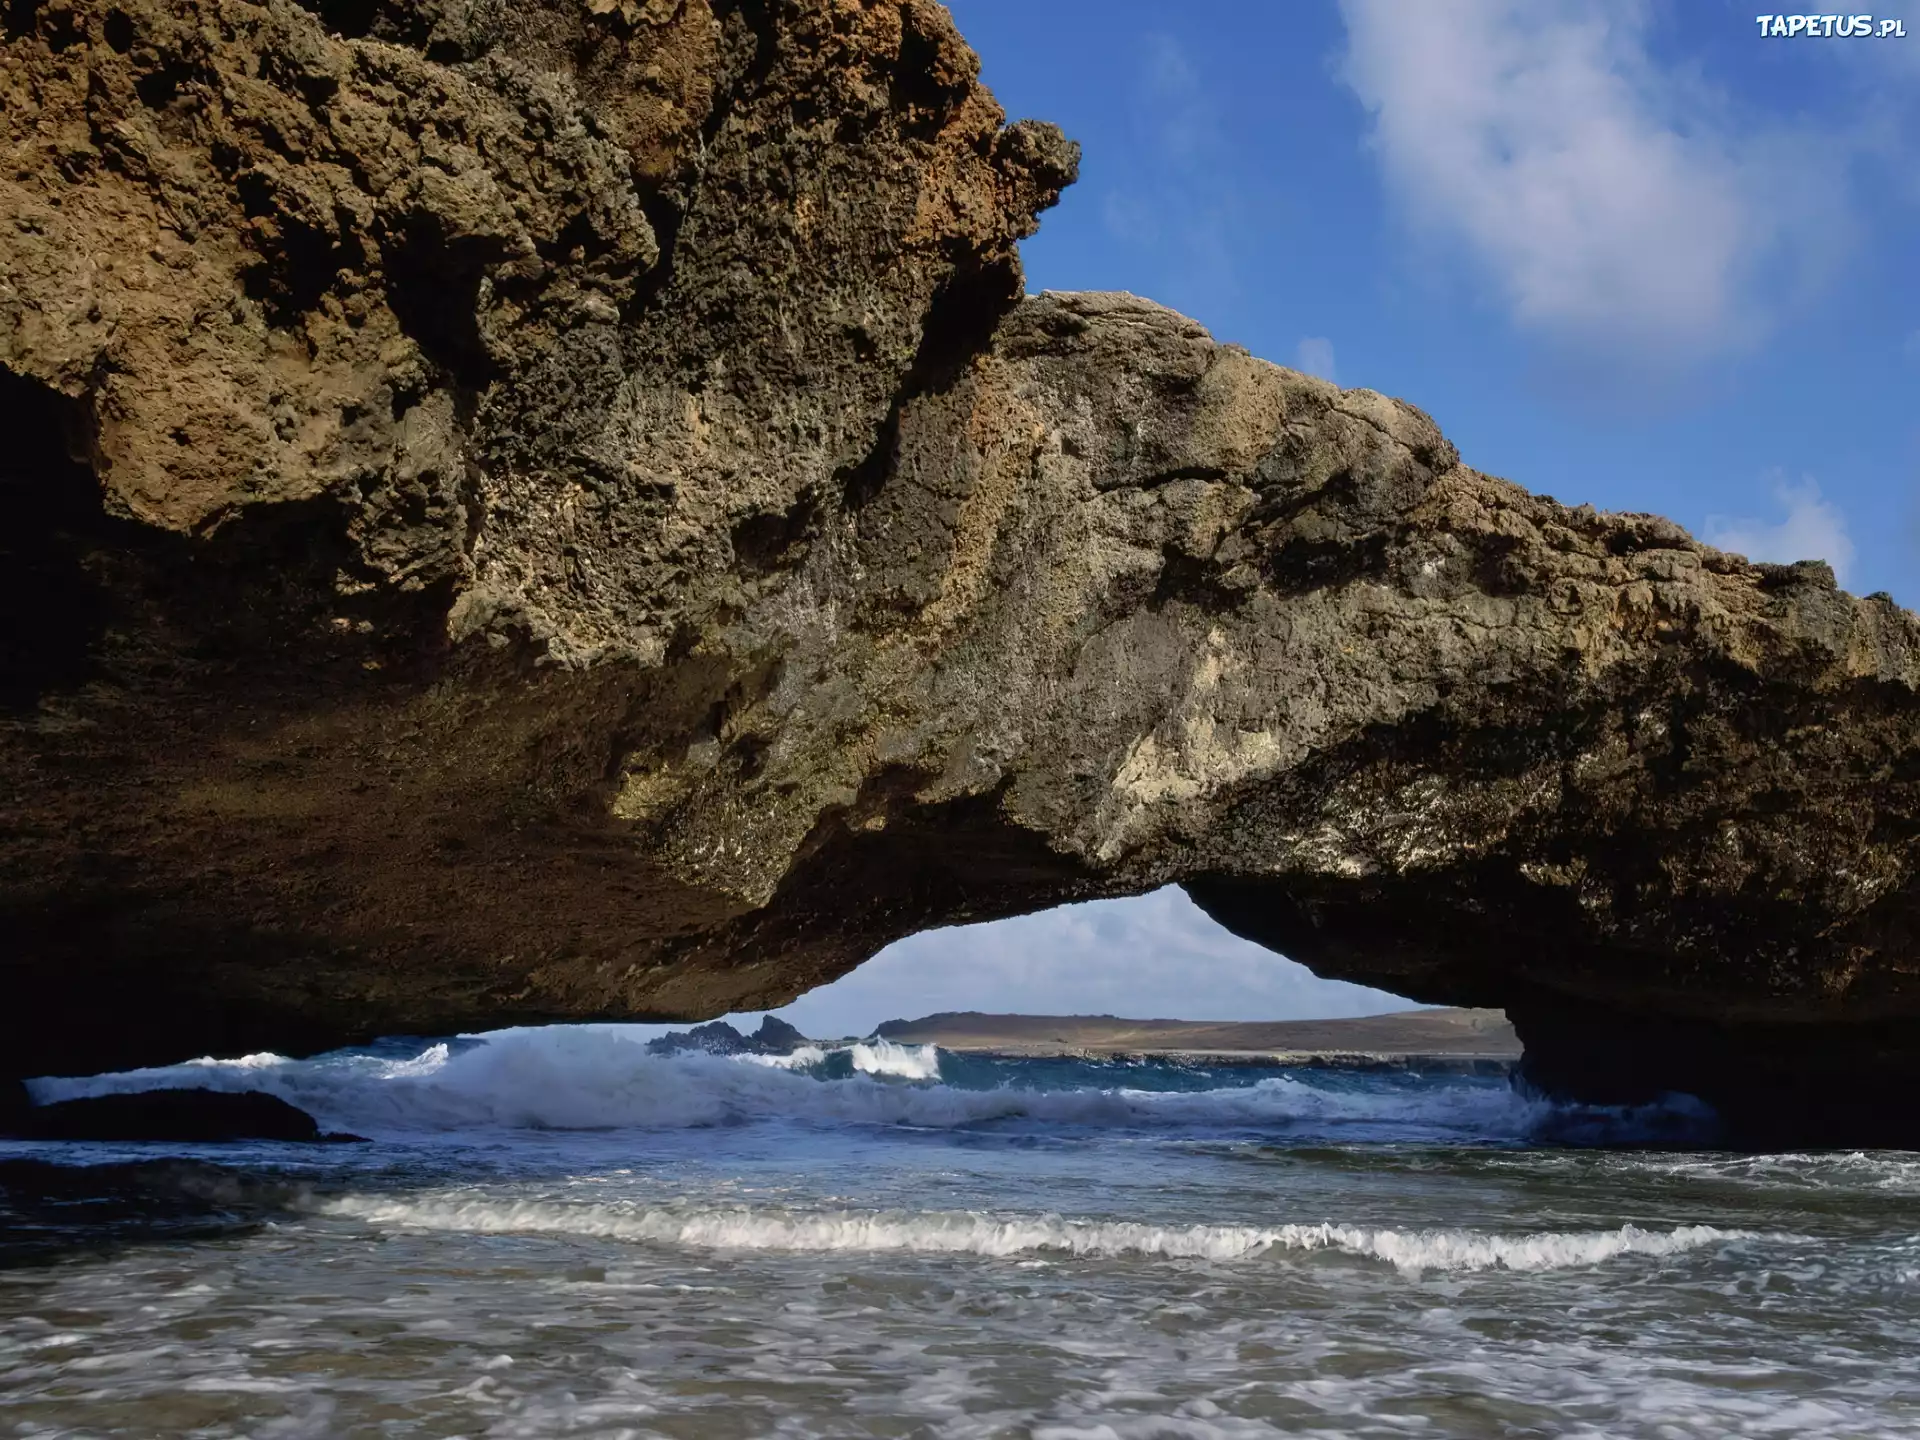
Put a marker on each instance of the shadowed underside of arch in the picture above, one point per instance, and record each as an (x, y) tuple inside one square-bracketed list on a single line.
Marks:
[(608, 540)]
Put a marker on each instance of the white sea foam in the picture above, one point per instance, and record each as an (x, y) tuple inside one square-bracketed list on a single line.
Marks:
[(804, 1058), (869, 1057), (259, 1060), (1821, 1170), (960, 1232), (883, 1057), (582, 1079)]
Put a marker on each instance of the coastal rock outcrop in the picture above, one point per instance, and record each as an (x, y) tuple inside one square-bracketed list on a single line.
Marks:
[(774, 1037), (562, 511), (195, 1116)]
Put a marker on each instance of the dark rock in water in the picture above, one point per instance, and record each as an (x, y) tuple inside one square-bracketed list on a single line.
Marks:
[(1779, 1086), (15, 1102), (774, 1037), (633, 556), (48, 1210), (177, 1115), (718, 1038)]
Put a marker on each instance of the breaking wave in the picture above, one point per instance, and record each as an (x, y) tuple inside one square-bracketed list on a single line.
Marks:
[(948, 1233), (568, 1079), (865, 1057), (564, 1078)]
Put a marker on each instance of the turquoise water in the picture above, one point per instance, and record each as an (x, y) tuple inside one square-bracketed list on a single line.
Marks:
[(558, 1233)]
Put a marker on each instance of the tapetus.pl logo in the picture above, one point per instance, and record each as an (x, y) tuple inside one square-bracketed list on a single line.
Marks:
[(1827, 27)]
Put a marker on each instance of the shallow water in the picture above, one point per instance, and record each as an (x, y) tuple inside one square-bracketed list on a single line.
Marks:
[(555, 1233)]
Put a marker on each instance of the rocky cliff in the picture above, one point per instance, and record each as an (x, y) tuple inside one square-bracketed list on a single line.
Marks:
[(561, 510)]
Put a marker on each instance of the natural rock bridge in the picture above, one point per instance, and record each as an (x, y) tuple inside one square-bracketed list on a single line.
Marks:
[(559, 510)]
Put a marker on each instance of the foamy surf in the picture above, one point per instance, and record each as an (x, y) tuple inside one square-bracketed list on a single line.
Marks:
[(964, 1233), (592, 1236), (868, 1057), (582, 1079)]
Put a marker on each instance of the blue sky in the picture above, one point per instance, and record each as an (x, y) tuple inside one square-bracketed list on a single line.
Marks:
[(1636, 255)]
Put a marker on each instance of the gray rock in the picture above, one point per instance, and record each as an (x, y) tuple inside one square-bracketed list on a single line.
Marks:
[(774, 1037)]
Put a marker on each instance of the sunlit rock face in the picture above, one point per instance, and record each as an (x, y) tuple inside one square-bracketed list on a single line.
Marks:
[(561, 511)]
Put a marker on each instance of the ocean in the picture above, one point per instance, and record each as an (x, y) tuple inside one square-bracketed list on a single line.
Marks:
[(559, 1233)]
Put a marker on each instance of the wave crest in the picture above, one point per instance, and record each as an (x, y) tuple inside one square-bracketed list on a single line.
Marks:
[(865, 1057), (1411, 1252), (567, 1079)]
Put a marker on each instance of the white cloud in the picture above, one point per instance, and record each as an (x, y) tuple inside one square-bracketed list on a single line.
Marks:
[(1156, 956), (1812, 529), (1314, 355), (1616, 204)]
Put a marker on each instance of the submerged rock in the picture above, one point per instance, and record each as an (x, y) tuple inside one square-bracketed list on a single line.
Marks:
[(529, 513), (48, 1210), (195, 1116)]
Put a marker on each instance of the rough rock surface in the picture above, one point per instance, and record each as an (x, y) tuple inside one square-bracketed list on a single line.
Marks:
[(558, 510), (774, 1037)]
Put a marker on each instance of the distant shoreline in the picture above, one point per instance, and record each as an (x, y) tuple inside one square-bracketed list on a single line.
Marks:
[(1456, 1039)]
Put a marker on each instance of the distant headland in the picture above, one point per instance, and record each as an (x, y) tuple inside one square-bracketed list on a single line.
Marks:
[(1406, 1037)]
